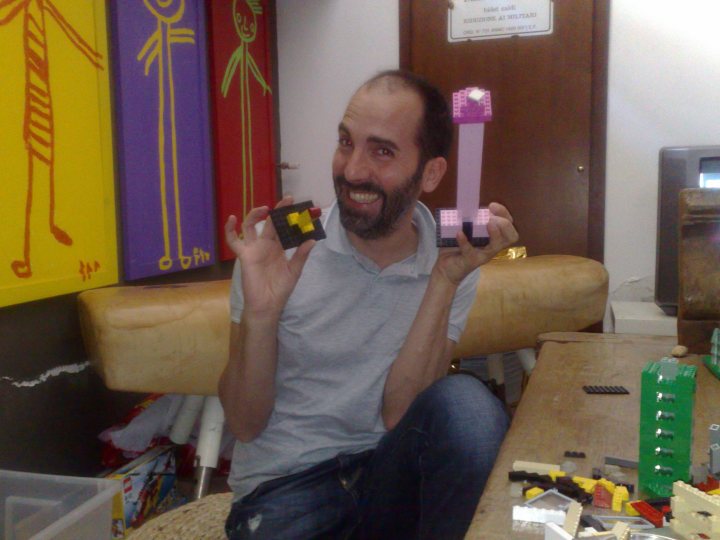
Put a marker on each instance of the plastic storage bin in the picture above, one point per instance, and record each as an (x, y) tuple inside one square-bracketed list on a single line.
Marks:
[(43, 506)]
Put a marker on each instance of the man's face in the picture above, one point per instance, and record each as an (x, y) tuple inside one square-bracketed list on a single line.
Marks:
[(376, 167)]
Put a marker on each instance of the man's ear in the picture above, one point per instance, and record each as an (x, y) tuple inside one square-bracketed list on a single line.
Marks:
[(432, 173)]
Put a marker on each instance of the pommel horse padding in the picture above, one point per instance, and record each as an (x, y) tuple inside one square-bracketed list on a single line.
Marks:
[(174, 339), (517, 300), (170, 339)]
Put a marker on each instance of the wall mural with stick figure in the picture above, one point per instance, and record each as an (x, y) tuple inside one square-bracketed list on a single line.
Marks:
[(241, 74), (56, 161), (164, 147)]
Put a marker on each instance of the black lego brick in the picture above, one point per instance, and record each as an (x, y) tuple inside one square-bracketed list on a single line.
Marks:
[(605, 390)]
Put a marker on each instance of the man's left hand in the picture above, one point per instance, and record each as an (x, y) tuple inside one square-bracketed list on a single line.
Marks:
[(456, 263)]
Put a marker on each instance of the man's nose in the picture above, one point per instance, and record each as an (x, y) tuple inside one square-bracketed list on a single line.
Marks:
[(357, 167)]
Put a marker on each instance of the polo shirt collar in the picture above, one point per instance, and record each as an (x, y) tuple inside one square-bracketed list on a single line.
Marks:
[(421, 262)]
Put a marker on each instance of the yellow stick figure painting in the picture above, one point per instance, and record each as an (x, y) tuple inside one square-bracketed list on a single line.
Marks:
[(245, 14), (159, 48), (39, 125), (57, 196)]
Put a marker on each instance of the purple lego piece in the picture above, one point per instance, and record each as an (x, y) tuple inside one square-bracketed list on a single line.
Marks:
[(449, 222), (482, 216), (471, 109), (470, 152), (471, 106)]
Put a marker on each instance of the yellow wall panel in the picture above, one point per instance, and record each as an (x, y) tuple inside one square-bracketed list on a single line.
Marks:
[(57, 196)]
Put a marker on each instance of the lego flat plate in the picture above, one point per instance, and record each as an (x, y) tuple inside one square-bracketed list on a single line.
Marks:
[(550, 500)]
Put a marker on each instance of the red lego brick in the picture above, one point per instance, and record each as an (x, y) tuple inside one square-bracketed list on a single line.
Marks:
[(602, 498), (648, 512), (709, 484)]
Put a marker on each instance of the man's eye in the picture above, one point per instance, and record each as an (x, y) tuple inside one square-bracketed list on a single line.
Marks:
[(385, 152), (344, 141)]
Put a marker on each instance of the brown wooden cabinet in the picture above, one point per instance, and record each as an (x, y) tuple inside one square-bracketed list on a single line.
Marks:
[(544, 154)]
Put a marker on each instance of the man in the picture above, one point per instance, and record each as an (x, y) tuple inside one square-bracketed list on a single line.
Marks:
[(334, 388)]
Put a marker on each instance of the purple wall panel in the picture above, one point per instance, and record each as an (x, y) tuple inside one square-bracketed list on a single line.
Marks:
[(162, 124)]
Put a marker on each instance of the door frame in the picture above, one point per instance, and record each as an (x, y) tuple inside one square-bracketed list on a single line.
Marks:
[(598, 114)]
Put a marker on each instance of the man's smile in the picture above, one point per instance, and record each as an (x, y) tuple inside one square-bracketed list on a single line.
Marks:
[(363, 197)]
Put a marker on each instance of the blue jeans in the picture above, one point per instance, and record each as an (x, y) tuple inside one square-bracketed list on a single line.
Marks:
[(423, 480)]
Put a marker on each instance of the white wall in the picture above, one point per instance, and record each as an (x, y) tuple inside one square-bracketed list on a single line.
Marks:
[(664, 90), (326, 49)]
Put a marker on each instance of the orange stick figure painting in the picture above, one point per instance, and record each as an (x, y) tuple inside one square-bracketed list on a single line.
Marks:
[(39, 129), (159, 47), (245, 14)]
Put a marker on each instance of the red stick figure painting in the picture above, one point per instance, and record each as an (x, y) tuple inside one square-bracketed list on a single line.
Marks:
[(245, 14)]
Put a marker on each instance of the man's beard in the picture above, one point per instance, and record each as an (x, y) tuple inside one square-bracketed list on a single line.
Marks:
[(394, 205)]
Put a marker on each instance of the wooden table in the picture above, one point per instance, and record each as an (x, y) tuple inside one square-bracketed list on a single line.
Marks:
[(555, 415)]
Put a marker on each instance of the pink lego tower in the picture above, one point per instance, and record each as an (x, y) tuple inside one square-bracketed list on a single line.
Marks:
[(471, 109)]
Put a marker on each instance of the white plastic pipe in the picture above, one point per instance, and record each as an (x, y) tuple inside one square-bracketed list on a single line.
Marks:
[(186, 417), (211, 430)]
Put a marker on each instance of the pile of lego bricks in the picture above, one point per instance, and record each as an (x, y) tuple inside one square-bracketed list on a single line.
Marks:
[(602, 493)]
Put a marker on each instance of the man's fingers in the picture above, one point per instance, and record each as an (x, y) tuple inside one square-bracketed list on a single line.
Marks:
[(255, 216), (268, 231), (464, 245), (502, 233), (297, 261), (230, 232), (499, 210), (287, 200)]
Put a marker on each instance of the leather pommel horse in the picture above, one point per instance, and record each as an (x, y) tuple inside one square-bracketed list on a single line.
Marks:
[(174, 338)]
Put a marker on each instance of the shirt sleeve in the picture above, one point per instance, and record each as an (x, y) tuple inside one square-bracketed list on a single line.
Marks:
[(464, 300)]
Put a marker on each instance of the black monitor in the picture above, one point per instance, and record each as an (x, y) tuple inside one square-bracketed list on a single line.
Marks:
[(680, 168)]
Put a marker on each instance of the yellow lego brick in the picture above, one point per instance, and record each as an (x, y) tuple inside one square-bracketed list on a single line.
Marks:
[(580, 480), (619, 496), (714, 492), (607, 484), (293, 218), (534, 467), (629, 510), (306, 222), (556, 474), (587, 484), (533, 492)]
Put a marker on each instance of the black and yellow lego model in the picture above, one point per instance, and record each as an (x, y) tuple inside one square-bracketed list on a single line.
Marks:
[(296, 223)]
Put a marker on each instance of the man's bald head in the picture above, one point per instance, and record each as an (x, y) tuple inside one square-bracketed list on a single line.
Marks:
[(435, 132)]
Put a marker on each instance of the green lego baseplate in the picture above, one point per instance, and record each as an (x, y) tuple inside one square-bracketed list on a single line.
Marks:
[(712, 361), (714, 367), (666, 414)]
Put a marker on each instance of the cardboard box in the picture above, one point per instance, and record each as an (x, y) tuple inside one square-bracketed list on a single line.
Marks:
[(147, 489)]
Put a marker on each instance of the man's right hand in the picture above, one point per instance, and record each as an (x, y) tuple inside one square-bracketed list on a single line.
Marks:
[(268, 277)]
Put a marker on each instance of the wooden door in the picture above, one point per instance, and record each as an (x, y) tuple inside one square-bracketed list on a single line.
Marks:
[(544, 149)]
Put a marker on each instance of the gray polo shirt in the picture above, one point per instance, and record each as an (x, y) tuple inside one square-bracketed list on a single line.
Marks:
[(342, 328)]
